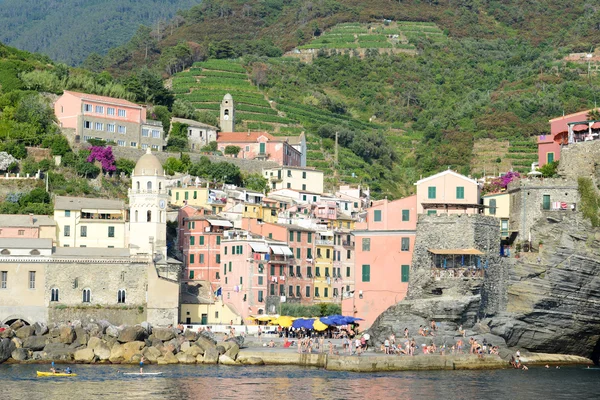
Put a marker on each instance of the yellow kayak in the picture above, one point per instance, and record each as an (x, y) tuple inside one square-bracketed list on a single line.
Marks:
[(40, 373)]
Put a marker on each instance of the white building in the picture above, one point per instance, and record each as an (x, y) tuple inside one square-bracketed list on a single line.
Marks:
[(198, 134)]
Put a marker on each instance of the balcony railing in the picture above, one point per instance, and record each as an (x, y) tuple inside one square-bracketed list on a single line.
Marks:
[(325, 242), (347, 243), (458, 273)]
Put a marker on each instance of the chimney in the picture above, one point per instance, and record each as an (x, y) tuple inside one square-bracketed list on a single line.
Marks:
[(31, 219)]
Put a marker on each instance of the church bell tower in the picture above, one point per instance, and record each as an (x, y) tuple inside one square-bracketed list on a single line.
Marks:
[(227, 118)]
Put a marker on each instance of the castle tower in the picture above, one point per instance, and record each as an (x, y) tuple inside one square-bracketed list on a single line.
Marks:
[(148, 208), (227, 118)]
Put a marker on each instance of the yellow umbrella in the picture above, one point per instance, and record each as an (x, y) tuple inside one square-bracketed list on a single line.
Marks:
[(266, 318), (319, 326), (284, 321)]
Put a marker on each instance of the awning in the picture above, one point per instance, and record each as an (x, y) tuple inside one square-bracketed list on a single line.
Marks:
[(100, 211), (220, 222), (326, 233), (259, 247), (283, 250), (456, 252)]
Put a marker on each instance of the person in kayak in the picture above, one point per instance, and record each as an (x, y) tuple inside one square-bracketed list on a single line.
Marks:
[(68, 370)]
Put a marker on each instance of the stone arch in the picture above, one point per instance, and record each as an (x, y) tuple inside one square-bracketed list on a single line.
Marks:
[(5, 252), (34, 252), (14, 318)]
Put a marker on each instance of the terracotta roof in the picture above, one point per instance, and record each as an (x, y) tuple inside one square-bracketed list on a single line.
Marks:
[(236, 137), (104, 99)]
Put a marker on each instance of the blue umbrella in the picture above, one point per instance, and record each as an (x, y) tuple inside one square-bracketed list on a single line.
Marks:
[(306, 323)]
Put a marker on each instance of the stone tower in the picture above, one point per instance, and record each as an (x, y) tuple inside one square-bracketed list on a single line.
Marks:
[(227, 118), (148, 208)]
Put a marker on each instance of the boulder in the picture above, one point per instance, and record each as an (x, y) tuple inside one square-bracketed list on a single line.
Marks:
[(204, 343), (40, 328), (67, 334), (185, 358), (168, 358), (54, 332), (81, 337), (93, 329), (220, 349), (132, 334), (199, 359), (190, 335), (18, 342), (103, 324), (163, 334), (175, 344), (20, 354), (6, 333), (17, 325), (208, 335), (233, 352), (253, 361), (239, 340), (132, 348), (93, 342), (116, 353), (185, 346), (225, 345), (35, 343), (6, 349), (226, 360), (84, 355), (102, 351), (112, 331), (152, 354), (147, 326), (194, 351), (211, 356), (25, 331)]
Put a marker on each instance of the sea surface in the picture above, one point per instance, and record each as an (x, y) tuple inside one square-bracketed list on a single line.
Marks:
[(297, 383)]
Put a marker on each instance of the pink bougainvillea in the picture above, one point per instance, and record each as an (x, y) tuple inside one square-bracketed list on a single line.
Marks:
[(497, 184), (104, 155)]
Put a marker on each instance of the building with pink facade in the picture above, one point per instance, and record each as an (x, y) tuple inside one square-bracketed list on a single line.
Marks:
[(27, 226), (565, 130), (384, 246), (261, 146), (448, 192), (200, 238), (88, 116)]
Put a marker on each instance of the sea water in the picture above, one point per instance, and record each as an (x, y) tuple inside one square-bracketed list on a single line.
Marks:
[(297, 383)]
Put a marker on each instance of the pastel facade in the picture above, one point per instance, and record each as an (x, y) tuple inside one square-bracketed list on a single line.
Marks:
[(260, 146), (300, 179), (498, 205), (215, 200), (383, 257), (448, 192), (27, 226), (85, 222), (198, 134), (101, 117)]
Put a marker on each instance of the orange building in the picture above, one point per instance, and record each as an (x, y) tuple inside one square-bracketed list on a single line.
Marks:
[(261, 146)]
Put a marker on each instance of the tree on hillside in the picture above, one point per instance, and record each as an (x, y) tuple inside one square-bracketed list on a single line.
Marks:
[(259, 73), (212, 146), (232, 150), (58, 144), (178, 139), (148, 87), (125, 166), (256, 182), (173, 165)]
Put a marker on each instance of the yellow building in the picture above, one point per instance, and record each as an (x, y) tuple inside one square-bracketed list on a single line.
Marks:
[(199, 306), (86, 222), (266, 212), (199, 197), (297, 178), (323, 282), (498, 205)]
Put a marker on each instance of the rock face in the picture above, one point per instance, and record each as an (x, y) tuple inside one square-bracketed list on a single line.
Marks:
[(84, 355), (543, 301), (163, 334), (6, 349), (35, 342), (131, 334)]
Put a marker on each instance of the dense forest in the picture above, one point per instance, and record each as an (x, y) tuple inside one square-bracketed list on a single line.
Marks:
[(496, 72), (70, 30)]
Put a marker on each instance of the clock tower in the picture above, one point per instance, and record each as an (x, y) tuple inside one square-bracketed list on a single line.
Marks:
[(227, 118), (148, 198)]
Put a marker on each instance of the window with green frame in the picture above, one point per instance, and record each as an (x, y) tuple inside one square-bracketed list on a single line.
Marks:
[(431, 192), (405, 273), (229, 266), (201, 240), (309, 239), (431, 212), (218, 260), (309, 253), (377, 215), (192, 240), (298, 252), (191, 258), (366, 273), (405, 215), (298, 236), (460, 192), (225, 249), (201, 258), (291, 236), (366, 244), (405, 244), (218, 240), (191, 274)]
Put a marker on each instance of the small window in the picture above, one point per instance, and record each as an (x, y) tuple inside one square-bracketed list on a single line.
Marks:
[(405, 244), (86, 295), (99, 110), (31, 279), (149, 216), (405, 273), (377, 215), (492, 207), (303, 174), (67, 230), (366, 244), (121, 296), (191, 259), (460, 192), (431, 212), (431, 192), (122, 113), (366, 273), (111, 231), (54, 294), (3, 279), (110, 111), (405, 215), (21, 232), (83, 230), (307, 291), (67, 213)]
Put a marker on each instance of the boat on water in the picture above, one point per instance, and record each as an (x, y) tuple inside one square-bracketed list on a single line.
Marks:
[(57, 374)]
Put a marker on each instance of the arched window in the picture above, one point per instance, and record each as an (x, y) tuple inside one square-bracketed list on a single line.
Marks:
[(54, 294), (138, 185), (226, 112), (86, 295), (136, 215), (261, 311), (34, 252), (159, 185), (5, 252), (149, 216), (149, 185), (493, 207), (121, 296)]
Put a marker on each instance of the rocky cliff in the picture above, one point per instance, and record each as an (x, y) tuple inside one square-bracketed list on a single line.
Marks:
[(544, 301)]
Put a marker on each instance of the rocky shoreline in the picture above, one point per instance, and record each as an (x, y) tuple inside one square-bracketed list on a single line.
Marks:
[(103, 343)]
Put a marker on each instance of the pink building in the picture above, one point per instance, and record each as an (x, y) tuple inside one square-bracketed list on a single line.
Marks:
[(383, 257), (261, 146), (91, 116), (448, 192), (27, 226), (200, 238), (564, 130), (326, 210), (297, 270), (244, 280)]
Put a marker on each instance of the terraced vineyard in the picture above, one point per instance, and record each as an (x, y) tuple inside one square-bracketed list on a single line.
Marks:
[(495, 156), (521, 154), (394, 35)]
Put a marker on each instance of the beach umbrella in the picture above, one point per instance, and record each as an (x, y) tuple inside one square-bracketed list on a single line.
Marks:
[(306, 323), (284, 321), (319, 326)]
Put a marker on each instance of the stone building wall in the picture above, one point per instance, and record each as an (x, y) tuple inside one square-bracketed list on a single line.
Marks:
[(116, 315), (580, 159), (526, 198)]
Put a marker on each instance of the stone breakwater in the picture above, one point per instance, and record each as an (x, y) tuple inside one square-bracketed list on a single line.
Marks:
[(102, 343)]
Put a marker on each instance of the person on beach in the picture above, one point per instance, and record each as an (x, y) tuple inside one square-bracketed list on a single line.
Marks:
[(461, 331), (259, 334), (357, 346), (392, 339), (321, 344), (142, 364), (271, 343), (330, 347), (413, 346), (459, 346), (299, 346), (406, 333)]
